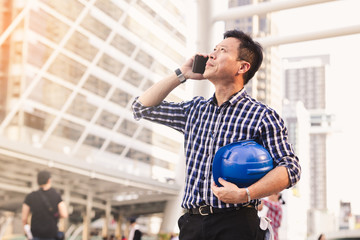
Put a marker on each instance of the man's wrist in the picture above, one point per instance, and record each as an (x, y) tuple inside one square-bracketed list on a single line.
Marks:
[(180, 75)]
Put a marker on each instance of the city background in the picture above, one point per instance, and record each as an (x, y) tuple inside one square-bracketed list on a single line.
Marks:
[(69, 71)]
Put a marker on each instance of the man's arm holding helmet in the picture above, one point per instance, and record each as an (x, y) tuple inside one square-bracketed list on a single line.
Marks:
[(274, 181), (285, 174)]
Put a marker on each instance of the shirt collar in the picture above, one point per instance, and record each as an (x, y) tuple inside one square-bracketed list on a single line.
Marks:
[(233, 99)]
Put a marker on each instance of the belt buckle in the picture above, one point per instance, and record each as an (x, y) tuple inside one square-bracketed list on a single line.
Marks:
[(206, 213)]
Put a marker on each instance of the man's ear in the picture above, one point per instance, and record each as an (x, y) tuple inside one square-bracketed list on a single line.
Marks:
[(244, 67)]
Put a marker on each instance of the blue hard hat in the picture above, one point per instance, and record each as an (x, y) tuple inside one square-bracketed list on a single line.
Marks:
[(242, 163)]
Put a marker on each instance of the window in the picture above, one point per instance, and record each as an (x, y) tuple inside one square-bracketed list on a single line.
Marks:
[(107, 119), (133, 77), (81, 108), (50, 94), (93, 25), (123, 45), (120, 97), (67, 69), (109, 8), (79, 44), (94, 141), (68, 129), (110, 64), (97, 86)]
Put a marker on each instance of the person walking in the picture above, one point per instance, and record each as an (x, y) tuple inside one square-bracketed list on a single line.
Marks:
[(224, 212), (135, 233), (274, 204), (46, 207)]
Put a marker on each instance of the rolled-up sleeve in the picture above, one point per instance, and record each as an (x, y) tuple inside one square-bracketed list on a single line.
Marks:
[(139, 110), (275, 138), (166, 113)]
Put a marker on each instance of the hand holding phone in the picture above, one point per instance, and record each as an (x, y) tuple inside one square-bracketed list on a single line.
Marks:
[(199, 64)]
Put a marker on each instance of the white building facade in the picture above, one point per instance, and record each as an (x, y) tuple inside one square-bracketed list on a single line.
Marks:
[(69, 73)]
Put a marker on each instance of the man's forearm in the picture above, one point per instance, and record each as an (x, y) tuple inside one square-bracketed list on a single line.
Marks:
[(25, 211), (273, 182), (158, 92)]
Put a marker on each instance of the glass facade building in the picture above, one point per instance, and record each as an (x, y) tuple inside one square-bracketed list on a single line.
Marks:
[(69, 72), (74, 69)]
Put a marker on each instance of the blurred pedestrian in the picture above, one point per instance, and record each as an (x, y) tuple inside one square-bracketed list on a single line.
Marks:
[(135, 233), (274, 212), (46, 207)]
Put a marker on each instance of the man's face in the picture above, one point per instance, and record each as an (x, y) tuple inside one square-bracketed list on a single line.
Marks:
[(223, 63)]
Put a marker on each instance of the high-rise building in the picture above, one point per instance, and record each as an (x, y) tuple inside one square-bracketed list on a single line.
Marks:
[(305, 81), (69, 72)]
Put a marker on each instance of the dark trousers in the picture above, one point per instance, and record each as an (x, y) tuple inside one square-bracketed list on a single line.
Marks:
[(242, 224)]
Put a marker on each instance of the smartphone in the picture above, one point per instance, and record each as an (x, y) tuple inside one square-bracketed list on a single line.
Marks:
[(199, 64)]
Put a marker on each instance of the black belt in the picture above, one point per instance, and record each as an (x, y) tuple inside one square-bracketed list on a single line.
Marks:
[(207, 210)]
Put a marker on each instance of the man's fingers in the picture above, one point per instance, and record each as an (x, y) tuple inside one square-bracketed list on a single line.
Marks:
[(223, 182)]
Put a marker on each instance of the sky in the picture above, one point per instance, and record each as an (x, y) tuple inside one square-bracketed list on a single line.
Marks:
[(343, 84)]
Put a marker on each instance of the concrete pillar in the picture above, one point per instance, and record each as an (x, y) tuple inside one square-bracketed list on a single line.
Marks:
[(119, 232), (173, 208), (203, 40), (87, 217), (105, 229), (172, 213), (6, 228)]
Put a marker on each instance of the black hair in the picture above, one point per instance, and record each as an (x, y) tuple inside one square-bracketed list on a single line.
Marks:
[(132, 220), (249, 51), (43, 177)]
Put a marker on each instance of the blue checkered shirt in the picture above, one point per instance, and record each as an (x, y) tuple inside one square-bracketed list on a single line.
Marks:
[(207, 127)]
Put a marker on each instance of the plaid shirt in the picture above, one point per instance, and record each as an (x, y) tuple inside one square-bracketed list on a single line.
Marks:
[(207, 127), (275, 215)]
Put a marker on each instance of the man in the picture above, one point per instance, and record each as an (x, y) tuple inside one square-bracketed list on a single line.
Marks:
[(46, 207), (231, 115)]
